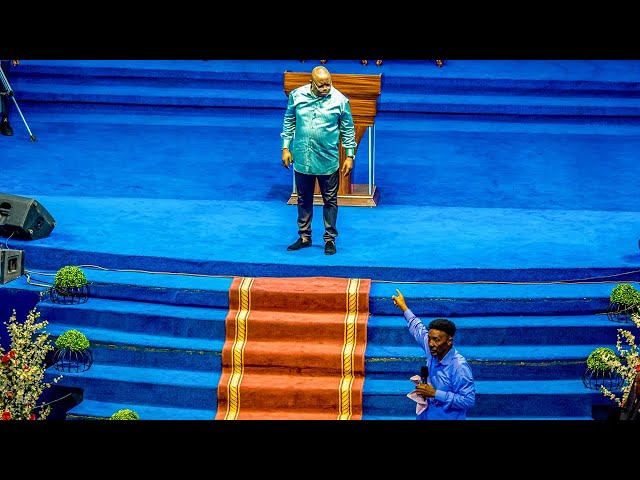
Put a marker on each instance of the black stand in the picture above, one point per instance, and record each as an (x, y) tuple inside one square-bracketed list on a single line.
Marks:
[(9, 92)]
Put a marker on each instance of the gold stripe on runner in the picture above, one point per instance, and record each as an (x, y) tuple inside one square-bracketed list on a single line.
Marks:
[(348, 350), (237, 351)]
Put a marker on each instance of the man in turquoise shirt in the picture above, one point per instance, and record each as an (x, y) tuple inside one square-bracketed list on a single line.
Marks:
[(317, 117)]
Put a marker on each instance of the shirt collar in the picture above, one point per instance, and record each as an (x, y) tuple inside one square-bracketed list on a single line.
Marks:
[(448, 358), (313, 95)]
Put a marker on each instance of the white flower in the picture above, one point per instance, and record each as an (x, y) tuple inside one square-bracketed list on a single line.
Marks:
[(23, 367), (627, 364)]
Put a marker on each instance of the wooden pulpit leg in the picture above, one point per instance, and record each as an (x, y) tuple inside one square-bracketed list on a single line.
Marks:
[(346, 182), (346, 185)]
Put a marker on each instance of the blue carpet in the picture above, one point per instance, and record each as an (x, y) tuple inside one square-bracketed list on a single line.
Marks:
[(518, 173), (553, 198)]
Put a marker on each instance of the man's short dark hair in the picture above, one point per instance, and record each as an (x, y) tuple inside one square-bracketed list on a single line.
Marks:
[(444, 325)]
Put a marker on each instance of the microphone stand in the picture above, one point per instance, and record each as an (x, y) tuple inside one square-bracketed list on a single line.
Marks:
[(8, 91)]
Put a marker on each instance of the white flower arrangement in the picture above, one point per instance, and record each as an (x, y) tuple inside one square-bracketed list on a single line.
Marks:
[(22, 369), (627, 363)]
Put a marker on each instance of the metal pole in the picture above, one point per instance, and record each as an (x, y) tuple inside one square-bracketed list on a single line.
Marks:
[(9, 92)]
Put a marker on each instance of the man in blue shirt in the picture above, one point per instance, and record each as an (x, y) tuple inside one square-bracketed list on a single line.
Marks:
[(317, 117), (450, 389)]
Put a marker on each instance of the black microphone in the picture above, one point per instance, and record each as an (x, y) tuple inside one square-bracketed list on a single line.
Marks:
[(424, 374)]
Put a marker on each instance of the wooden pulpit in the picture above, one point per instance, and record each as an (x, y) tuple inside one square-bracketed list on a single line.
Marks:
[(363, 92)]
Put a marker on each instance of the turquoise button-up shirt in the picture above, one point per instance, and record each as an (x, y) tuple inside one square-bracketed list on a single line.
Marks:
[(317, 124)]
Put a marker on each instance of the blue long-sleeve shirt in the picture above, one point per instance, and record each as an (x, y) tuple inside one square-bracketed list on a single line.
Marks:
[(451, 377), (317, 124)]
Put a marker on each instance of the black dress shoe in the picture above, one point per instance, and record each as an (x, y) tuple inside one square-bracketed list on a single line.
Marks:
[(299, 244), (330, 247), (5, 127)]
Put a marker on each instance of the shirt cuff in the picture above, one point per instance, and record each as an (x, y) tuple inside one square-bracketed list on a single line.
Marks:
[(350, 152), (286, 143)]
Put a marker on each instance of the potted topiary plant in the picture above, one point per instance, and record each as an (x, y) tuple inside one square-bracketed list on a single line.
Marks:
[(599, 372), (70, 285), (72, 353), (623, 301), (125, 414)]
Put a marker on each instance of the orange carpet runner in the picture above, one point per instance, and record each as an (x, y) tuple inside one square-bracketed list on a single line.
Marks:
[(294, 349)]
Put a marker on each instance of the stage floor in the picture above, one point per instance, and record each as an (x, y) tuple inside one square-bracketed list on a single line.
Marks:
[(204, 191)]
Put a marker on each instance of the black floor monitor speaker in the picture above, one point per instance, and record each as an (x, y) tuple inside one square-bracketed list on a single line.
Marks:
[(24, 218), (11, 265)]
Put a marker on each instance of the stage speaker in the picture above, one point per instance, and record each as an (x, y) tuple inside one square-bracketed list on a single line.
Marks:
[(24, 218), (11, 265)]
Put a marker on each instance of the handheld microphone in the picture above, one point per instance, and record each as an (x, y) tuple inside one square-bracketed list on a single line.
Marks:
[(424, 374)]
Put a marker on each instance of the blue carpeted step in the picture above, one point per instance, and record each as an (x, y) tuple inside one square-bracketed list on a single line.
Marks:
[(208, 84), (387, 123), (513, 418), (529, 418), (143, 317), (135, 94), (580, 74), (503, 330), (204, 258), (165, 115), (493, 353), (527, 362), (132, 95), (158, 288), (426, 299), (98, 410), (146, 286), (400, 369), (111, 347), (542, 369), (556, 398), (508, 399), (510, 105), (420, 102), (169, 72), (144, 386), (537, 76), (523, 85), (467, 299), (396, 418)]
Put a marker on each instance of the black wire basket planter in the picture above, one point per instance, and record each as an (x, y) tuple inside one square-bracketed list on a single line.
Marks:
[(69, 295), (621, 313), (594, 379), (67, 360)]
